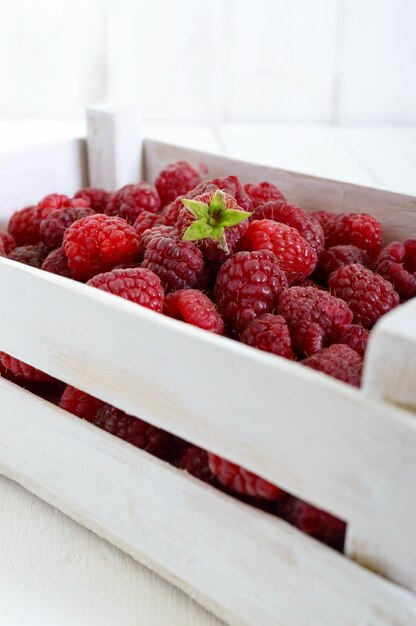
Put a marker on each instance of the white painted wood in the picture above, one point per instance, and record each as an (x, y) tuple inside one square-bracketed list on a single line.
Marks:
[(54, 571), (243, 564), (114, 146)]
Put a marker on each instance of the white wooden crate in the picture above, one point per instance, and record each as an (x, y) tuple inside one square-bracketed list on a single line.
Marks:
[(350, 452)]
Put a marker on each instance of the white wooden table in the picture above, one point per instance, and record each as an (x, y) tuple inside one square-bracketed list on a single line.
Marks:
[(53, 571)]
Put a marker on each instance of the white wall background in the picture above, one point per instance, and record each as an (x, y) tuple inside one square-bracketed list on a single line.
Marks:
[(333, 61)]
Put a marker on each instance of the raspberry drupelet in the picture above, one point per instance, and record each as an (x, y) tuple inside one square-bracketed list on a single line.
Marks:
[(177, 179), (194, 307), (397, 264), (129, 201), (269, 333), (338, 361), (136, 284), (262, 193)]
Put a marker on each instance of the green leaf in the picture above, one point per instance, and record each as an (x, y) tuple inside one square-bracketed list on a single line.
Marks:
[(198, 230), (199, 209), (217, 203), (232, 217)]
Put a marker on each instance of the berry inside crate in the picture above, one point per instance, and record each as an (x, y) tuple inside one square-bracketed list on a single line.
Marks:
[(350, 452)]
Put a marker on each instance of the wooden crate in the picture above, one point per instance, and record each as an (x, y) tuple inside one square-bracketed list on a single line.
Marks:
[(350, 452)]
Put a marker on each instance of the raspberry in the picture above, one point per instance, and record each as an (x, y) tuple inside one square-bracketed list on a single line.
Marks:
[(97, 243), (262, 193), (293, 216), (194, 307), (59, 201), (30, 255), (242, 481), (147, 220), (338, 361), (231, 185), (2, 250), (314, 522), (8, 242), (135, 284), (195, 461), (368, 295), (338, 256), (248, 284), (269, 333), (296, 257), (179, 264), (24, 225), (132, 429), (129, 201), (324, 218), (356, 337), (23, 370), (80, 403), (53, 227), (314, 317), (396, 263), (158, 231), (215, 221), (57, 263), (308, 282), (358, 229), (176, 180), (170, 212), (96, 198)]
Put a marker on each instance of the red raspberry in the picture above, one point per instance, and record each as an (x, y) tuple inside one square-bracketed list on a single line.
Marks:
[(30, 255), (356, 337), (194, 307), (8, 242), (308, 282), (314, 317), (338, 256), (59, 201), (53, 227), (242, 481), (314, 522), (96, 198), (158, 231), (57, 263), (269, 333), (23, 370), (248, 284), (324, 218), (231, 185), (176, 180), (80, 403), (129, 201), (358, 229), (296, 257), (97, 243), (2, 250), (179, 264), (195, 461), (368, 295), (262, 193), (338, 361), (293, 216), (396, 264), (24, 225), (136, 284), (170, 212), (147, 220), (132, 429)]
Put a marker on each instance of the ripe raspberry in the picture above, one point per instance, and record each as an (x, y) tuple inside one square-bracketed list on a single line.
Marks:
[(314, 522), (194, 307), (146, 220), (356, 337), (157, 231), (195, 461), (325, 218), (242, 481), (97, 243), (296, 257), (8, 242), (314, 317), (396, 264), (135, 284), (215, 221), (179, 264), (368, 295), (170, 212), (269, 333), (358, 229), (248, 284), (22, 370), (338, 256), (57, 263), (24, 225), (80, 403), (293, 216), (132, 429), (96, 198), (53, 227), (262, 193), (129, 201), (30, 255), (338, 361), (231, 185), (176, 180), (2, 251)]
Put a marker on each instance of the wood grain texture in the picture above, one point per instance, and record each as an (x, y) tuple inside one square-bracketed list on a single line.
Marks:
[(209, 544)]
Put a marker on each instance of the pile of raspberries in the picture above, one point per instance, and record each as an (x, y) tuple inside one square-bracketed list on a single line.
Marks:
[(237, 260)]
